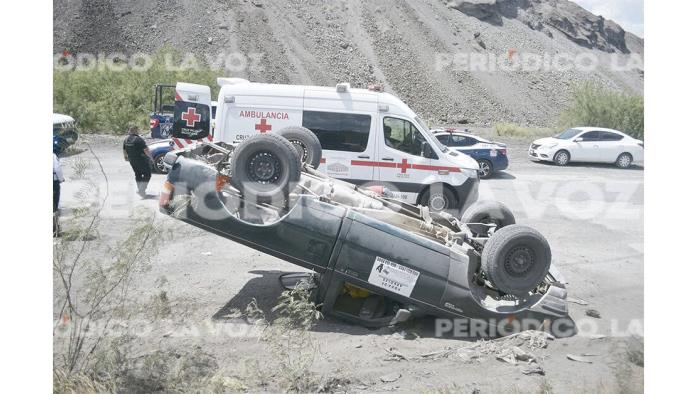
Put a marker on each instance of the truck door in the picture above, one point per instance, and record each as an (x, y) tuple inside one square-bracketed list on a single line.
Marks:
[(191, 114), (404, 158)]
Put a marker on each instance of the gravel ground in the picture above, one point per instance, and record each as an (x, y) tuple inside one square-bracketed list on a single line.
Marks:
[(592, 216)]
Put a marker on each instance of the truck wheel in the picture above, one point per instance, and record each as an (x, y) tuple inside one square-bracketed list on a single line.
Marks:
[(265, 166), (516, 259), (489, 212), (306, 143)]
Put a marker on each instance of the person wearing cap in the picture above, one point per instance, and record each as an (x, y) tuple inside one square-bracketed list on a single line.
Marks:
[(136, 152)]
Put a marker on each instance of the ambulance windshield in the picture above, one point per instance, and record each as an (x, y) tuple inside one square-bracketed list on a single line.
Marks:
[(425, 129)]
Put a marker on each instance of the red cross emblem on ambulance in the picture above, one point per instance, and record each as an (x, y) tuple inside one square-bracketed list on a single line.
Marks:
[(262, 126), (191, 117), (403, 166)]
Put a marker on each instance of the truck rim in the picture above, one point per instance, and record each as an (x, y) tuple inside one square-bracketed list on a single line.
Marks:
[(301, 148), (264, 167), (519, 261)]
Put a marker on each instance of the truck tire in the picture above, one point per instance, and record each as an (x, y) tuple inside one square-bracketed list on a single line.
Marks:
[(490, 212), (516, 259), (306, 143), (265, 167)]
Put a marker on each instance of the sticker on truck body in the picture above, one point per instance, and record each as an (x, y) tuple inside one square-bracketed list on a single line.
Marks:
[(392, 276)]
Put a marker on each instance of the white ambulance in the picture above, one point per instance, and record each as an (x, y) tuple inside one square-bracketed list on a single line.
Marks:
[(368, 137)]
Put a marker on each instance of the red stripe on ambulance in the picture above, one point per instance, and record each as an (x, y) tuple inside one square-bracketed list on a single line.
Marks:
[(404, 165)]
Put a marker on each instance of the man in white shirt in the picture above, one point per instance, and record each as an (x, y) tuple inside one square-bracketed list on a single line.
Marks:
[(57, 179)]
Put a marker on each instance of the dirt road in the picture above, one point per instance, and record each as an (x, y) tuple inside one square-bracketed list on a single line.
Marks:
[(591, 215)]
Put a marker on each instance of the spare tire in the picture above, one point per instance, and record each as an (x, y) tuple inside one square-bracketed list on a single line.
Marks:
[(516, 259), (306, 143), (265, 167), (490, 212)]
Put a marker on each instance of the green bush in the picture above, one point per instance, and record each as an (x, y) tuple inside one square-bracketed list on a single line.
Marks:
[(598, 107), (515, 130), (106, 100)]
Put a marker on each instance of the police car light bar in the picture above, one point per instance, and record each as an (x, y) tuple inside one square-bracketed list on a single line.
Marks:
[(342, 87)]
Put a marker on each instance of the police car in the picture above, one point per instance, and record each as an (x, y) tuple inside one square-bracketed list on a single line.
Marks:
[(367, 137), (491, 156), (158, 150)]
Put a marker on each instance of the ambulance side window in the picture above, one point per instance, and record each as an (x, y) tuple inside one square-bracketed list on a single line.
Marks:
[(402, 135), (339, 131)]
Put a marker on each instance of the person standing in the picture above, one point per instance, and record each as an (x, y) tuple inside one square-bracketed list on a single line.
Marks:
[(137, 153), (57, 180)]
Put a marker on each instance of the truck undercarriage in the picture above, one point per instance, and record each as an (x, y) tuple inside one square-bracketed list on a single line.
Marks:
[(375, 261)]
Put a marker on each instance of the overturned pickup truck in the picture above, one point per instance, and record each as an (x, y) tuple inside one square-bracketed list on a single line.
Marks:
[(376, 261)]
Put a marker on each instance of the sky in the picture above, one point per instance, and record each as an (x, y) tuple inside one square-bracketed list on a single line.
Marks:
[(627, 13)]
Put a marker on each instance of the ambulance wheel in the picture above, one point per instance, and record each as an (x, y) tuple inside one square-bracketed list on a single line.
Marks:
[(306, 143), (439, 198), (265, 167), (516, 259)]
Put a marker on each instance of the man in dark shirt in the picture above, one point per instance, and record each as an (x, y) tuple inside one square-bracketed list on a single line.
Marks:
[(137, 153)]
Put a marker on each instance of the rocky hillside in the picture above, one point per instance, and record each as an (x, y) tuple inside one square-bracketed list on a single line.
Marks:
[(424, 51)]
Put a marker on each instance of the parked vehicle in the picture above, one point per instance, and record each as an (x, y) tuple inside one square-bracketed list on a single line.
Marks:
[(158, 150), (405, 260), (588, 144), (367, 137), (65, 132), (161, 117), (491, 156)]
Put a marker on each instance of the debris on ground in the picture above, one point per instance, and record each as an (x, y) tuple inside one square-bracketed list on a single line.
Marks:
[(581, 359), (535, 370), (408, 335), (389, 378), (394, 355), (578, 301), (509, 349), (593, 313), (514, 354), (207, 253)]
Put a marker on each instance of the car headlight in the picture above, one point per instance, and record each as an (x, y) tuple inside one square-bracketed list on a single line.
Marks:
[(470, 173)]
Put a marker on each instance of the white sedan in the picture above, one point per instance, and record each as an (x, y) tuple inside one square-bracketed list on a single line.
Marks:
[(588, 144)]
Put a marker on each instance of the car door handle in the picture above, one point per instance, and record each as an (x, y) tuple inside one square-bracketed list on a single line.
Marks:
[(363, 157), (388, 158), (596, 146)]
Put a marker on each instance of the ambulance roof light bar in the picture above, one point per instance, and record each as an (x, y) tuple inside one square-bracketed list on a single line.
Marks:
[(342, 87)]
